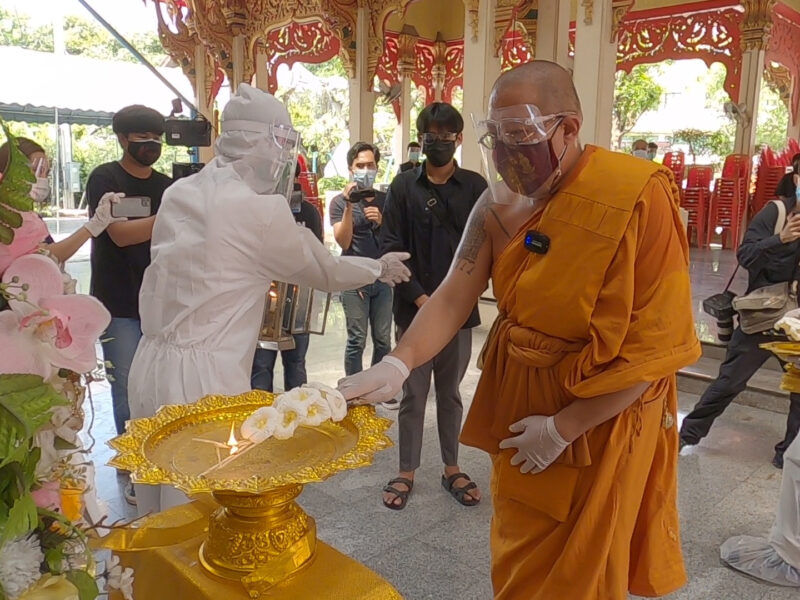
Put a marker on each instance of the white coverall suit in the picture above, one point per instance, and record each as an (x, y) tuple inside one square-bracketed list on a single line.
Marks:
[(217, 245)]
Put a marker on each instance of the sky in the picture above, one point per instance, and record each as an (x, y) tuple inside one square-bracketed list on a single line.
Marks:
[(127, 16)]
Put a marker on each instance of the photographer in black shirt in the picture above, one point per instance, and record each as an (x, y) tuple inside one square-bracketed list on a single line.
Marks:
[(769, 258)]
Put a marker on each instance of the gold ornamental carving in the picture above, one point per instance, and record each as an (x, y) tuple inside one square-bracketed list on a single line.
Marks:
[(779, 78), (406, 50), (588, 11), (505, 11), (439, 72), (473, 11), (756, 24), (619, 8)]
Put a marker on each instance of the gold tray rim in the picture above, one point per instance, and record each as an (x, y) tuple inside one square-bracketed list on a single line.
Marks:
[(131, 455)]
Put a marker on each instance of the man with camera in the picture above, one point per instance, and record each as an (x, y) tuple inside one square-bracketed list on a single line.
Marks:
[(356, 216), (770, 252)]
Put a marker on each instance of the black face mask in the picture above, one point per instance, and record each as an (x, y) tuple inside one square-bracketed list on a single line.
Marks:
[(145, 153), (440, 153)]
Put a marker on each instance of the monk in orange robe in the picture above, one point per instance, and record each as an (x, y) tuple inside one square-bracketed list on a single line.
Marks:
[(577, 399)]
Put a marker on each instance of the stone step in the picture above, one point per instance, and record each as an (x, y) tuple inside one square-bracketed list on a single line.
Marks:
[(763, 390)]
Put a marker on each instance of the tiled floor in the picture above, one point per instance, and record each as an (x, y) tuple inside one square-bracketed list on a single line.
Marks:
[(437, 549)]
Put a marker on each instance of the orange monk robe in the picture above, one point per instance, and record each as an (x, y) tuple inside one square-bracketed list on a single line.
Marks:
[(608, 307)]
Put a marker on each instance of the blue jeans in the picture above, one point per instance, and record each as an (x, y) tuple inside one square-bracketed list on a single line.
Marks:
[(119, 345), (294, 366), (371, 304)]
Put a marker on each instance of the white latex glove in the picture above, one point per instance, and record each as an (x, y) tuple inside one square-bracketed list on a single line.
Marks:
[(379, 383), (538, 443), (102, 216), (393, 271)]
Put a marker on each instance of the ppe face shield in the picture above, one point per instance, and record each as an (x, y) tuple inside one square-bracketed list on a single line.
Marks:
[(517, 153), (284, 161)]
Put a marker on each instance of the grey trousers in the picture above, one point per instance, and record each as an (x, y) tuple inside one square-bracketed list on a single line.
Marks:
[(448, 369)]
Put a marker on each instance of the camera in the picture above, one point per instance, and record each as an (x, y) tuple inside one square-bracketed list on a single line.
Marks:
[(185, 169), (358, 195), (720, 306), (187, 132)]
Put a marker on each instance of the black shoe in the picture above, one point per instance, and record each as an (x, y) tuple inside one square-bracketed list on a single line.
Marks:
[(777, 461), (683, 443)]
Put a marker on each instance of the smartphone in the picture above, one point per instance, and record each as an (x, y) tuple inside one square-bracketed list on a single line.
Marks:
[(131, 207)]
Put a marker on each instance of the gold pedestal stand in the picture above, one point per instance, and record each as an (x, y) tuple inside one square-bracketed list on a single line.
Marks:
[(258, 537)]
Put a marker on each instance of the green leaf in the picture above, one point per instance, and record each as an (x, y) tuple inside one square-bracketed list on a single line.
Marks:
[(55, 560), (87, 586), (25, 403), (62, 444), (14, 189), (22, 519)]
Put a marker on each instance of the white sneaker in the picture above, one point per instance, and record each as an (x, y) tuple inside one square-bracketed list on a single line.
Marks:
[(393, 404)]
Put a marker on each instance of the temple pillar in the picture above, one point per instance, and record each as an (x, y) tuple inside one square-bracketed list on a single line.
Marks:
[(749, 96), (756, 28), (262, 73), (481, 70), (362, 98), (406, 61), (237, 58), (793, 130), (552, 32), (201, 97), (595, 66)]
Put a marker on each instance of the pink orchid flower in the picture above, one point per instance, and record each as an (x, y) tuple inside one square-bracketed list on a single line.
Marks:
[(48, 330), (26, 240)]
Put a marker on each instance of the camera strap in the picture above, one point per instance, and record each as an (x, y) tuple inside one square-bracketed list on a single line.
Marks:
[(780, 223), (437, 207)]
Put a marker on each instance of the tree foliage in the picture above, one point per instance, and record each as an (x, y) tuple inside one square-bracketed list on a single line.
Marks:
[(81, 37), (636, 93)]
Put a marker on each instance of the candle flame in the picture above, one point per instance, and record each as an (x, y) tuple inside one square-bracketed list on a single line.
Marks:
[(232, 442)]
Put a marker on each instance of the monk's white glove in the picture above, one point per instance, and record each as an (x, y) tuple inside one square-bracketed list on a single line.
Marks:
[(393, 271), (377, 384), (538, 443)]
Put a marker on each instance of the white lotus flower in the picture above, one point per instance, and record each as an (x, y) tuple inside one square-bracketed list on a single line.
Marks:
[(293, 408), (319, 410), (336, 401), (261, 424), (119, 578), (19, 565)]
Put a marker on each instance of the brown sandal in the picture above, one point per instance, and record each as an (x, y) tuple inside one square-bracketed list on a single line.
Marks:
[(402, 494)]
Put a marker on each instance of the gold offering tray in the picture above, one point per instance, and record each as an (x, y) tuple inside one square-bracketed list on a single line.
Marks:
[(164, 449), (787, 351), (259, 535)]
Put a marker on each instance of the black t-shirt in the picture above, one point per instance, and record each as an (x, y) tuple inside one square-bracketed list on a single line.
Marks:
[(366, 234), (117, 272)]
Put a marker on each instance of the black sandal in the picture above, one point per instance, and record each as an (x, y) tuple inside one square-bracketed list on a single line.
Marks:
[(402, 494), (460, 493)]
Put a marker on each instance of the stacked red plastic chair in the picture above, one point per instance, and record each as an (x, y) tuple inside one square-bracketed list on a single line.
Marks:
[(308, 182), (728, 202), (675, 161), (695, 200), (768, 176)]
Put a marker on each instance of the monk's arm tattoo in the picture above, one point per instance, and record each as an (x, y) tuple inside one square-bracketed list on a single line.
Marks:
[(473, 240)]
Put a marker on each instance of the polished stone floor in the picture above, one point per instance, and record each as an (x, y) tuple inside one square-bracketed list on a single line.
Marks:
[(438, 550)]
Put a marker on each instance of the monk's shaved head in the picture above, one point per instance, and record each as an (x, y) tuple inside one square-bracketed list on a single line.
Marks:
[(545, 84)]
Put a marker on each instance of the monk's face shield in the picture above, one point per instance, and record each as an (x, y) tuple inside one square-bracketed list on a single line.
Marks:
[(517, 153)]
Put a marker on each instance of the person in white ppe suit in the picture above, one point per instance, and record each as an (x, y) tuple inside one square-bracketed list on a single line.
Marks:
[(776, 559), (220, 237)]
